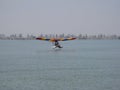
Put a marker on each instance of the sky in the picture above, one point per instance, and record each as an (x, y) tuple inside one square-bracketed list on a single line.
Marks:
[(60, 16)]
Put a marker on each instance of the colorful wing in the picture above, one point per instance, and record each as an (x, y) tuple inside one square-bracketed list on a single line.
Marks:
[(54, 39), (42, 38), (65, 39), (46, 39)]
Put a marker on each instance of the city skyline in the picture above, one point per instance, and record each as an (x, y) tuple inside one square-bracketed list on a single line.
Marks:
[(80, 36), (91, 17)]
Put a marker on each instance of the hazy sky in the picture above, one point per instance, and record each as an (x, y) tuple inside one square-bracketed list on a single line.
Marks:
[(60, 16)]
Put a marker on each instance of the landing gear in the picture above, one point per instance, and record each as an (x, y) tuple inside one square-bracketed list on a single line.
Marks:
[(58, 46)]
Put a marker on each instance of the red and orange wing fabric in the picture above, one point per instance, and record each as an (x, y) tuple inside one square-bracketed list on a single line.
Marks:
[(54, 39)]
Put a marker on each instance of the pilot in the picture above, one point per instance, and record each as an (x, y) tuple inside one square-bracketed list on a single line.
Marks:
[(57, 44)]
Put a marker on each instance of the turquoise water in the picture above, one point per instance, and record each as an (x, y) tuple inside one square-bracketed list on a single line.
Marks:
[(80, 65)]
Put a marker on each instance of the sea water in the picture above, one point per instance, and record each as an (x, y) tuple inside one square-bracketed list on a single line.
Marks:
[(79, 65)]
